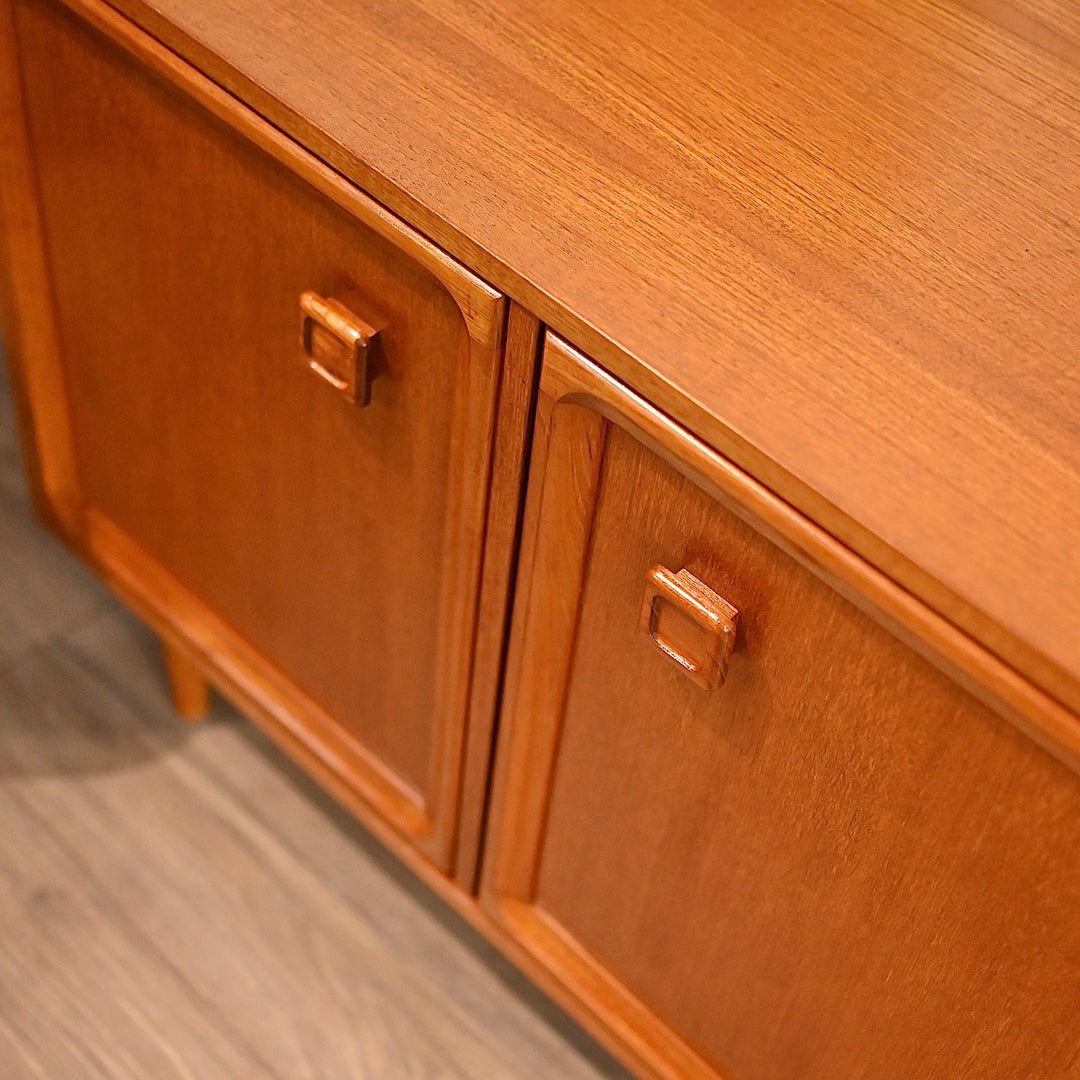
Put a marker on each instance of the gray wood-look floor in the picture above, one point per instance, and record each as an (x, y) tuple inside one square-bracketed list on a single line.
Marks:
[(177, 901)]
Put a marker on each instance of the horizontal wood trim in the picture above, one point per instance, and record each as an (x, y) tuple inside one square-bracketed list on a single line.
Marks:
[(637, 1031)]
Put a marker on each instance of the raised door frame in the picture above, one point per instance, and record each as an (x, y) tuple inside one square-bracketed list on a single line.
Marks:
[(467, 622), (564, 473)]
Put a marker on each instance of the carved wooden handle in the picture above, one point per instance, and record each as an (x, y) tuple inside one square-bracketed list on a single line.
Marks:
[(689, 623), (337, 346)]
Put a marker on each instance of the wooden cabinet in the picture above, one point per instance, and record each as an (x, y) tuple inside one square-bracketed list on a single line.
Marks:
[(836, 840), (212, 284), (780, 675)]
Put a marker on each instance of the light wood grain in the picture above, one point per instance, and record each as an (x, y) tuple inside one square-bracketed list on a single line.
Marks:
[(461, 963), (80, 993), (285, 964), (249, 925), (745, 882), (838, 241)]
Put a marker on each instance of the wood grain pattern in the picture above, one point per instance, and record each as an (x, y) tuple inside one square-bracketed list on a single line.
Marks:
[(247, 922), (231, 834), (506, 499), (569, 374), (746, 883), (81, 994), (763, 220), (159, 927), (837, 241), (342, 548), (38, 389), (461, 964)]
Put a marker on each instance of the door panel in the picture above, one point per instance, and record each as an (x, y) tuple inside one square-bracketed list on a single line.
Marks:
[(340, 542), (836, 864)]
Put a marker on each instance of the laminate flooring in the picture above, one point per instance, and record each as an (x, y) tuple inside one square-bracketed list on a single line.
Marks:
[(177, 901)]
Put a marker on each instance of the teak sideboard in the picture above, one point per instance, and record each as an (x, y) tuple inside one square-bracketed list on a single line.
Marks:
[(629, 453)]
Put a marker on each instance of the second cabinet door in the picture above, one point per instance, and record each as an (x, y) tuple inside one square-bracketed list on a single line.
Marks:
[(816, 857), (211, 283)]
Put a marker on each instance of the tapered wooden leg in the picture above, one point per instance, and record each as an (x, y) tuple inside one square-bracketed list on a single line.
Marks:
[(190, 691)]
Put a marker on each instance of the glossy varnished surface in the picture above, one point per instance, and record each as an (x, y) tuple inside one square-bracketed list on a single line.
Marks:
[(838, 240), (341, 543), (178, 902), (838, 864)]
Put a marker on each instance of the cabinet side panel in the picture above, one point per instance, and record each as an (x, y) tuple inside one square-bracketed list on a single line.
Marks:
[(26, 309)]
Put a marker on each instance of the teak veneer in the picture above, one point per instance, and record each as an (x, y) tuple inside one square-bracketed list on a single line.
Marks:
[(836, 240), (626, 452)]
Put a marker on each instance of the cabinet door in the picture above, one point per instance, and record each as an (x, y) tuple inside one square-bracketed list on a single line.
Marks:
[(827, 862), (317, 544)]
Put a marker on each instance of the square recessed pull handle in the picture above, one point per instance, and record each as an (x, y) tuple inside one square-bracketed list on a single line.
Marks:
[(689, 623), (337, 346)]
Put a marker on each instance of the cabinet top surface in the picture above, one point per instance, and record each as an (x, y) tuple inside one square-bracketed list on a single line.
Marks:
[(838, 240)]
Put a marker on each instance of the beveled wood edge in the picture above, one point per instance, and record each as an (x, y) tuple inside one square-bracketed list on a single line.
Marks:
[(640, 1035), (26, 306), (505, 864), (502, 524), (568, 375), (568, 454), (566, 462), (468, 479), (481, 305), (250, 682), (635, 371), (431, 823), (524, 761)]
